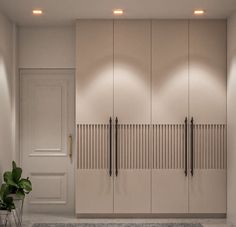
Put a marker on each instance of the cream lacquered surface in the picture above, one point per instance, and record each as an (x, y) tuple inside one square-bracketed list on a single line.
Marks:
[(94, 98), (154, 85), (207, 105), (94, 88), (169, 107), (132, 107)]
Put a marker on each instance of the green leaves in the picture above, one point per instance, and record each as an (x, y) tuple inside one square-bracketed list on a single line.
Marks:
[(17, 185), (14, 184), (16, 174), (3, 191), (6, 201), (8, 178), (14, 165), (25, 184)]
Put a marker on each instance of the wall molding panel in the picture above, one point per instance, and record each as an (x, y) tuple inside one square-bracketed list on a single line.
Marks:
[(50, 188)]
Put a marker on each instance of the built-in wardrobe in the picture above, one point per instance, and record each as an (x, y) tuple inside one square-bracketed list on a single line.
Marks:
[(151, 116)]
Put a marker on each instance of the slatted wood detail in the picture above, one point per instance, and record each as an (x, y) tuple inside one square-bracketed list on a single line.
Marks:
[(210, 146), (133, 146), (168, 146), (159, 146), (93, 146)]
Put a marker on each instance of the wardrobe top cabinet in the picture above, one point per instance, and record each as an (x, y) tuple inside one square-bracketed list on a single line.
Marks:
[(144, 71), (132, 72), (169, 71), (94, 66), (113, 71), (207, 71)]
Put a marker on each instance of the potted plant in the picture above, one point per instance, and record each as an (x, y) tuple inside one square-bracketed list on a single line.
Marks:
[(17, 185), (6, 204), (6, 201)]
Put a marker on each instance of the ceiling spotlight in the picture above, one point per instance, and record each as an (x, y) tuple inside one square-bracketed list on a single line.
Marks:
[(118, 11), (37, 12), (199, 12)]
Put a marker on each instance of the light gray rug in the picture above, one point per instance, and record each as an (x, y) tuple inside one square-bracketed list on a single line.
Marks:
[(117, 225)]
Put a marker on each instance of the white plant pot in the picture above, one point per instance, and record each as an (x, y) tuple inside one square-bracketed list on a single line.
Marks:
[(15, 197), (4, 212)]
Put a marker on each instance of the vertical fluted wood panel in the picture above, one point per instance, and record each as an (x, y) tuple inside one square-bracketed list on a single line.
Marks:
[(168, 149), (168, 146), (209, 146), (133, 146), (93, 144)]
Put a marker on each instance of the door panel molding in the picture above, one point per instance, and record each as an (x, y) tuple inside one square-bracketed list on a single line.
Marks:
[(49, 188)]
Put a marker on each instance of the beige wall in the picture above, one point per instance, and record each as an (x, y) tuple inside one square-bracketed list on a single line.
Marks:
[(231, 115), (8, 102), (47, 47)]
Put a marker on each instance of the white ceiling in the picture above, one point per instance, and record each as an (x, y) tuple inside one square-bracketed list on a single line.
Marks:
[(66, 11)]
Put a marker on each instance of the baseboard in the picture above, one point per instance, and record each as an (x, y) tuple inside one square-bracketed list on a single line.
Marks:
[(86, 215)]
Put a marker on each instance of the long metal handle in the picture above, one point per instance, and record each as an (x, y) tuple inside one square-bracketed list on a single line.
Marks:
[(191, 147), (70, 147), (110, 166), (186, 146), (116, 138)]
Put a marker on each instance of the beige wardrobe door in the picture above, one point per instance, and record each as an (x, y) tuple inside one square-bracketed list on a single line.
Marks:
[(169, 110), (94, 99), (207, 81), (132, 109)]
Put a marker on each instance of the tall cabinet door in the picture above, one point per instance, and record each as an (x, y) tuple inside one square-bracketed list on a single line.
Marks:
[(94, 97), (169, 110), (132, 109), (207, 81)]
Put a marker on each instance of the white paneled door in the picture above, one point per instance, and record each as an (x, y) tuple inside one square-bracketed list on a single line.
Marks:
[(47, 138)]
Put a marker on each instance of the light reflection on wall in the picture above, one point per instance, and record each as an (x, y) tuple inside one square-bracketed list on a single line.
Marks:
[(5, 115)]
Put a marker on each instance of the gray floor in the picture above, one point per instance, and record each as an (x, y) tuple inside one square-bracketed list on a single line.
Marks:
[(30, 219)]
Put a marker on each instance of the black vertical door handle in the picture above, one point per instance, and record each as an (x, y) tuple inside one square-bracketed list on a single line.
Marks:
[(116, 155), (110, 144), (192, 126), (186, 146)]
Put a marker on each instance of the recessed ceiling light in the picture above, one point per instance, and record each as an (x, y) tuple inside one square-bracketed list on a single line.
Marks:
[(37, 12), (199, 12), (118, 11)]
